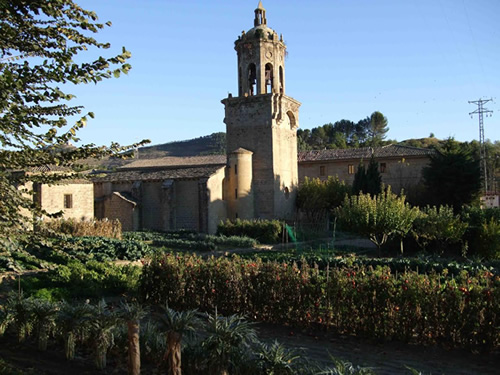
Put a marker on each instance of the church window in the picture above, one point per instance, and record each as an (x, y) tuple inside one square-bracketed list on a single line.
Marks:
[(269, 78), (383, 167), (68, 200), (236, 169), (287, 193), (252, 79), (322, 170), (235, 193), (350, 169)]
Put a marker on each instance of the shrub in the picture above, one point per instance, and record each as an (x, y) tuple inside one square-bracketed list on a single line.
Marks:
[(97, 228), (438, 229), (481, 231), (316, 198), (264, 231), (408, 306)]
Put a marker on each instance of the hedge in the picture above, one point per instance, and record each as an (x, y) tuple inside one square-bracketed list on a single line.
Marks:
[(460, 311)]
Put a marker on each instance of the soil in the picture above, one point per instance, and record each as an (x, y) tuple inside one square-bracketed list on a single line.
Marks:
[(384, 358)]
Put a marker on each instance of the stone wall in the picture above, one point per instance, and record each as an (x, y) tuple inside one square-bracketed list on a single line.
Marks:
[(400, 173), (217, 207), (52, 198)]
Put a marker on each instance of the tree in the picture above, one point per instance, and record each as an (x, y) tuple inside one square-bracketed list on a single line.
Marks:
[(101, 325), (452, 176), (132, 313), (379, 217), (227, 337), (368, 181), (176, 324), (39, 45), (378, 128)]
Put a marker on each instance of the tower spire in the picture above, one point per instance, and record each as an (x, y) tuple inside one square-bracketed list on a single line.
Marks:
[(260, 15)]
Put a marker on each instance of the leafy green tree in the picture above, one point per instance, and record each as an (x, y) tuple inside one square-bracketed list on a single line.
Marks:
[(452, 176), (378, 129), (40, 47), (379, 217)]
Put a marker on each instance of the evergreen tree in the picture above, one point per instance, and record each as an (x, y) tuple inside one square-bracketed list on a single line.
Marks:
[(359, 183), (369, 180), (378, 129), (453, 176)]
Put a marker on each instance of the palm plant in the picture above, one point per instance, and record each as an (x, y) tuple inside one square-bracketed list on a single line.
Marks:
[(101, 325), (275, 359), (132, 313), (72, 323), (44, 317), (20, 313), (5, 319), (226, 337), (176, 324), (152, 341), (345, 368)]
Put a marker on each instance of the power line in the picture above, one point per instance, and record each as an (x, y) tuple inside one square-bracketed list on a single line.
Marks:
[(482, 150)]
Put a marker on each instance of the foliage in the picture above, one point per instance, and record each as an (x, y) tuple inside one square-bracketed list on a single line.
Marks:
[(377, 129), (452, 176), (380, 217), (368, 181), (40, 50), (264, 231), (344, 134), (44, 317), (374, 302), (227, 337), (91, 279), (72, 325), (318, 198), (101, 324), (438, 229), (72, 227), (482, 231), (132, 313), (176, 324)]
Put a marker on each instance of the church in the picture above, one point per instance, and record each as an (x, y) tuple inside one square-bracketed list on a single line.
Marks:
[(259, 176)]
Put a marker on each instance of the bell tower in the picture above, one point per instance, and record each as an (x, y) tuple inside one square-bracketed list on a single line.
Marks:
[(261, 129)]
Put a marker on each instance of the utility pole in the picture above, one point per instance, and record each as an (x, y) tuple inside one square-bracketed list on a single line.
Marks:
[(482, 151)]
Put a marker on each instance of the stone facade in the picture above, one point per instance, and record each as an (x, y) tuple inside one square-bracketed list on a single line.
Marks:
[(399, 166), (263, 122), (75, 198)]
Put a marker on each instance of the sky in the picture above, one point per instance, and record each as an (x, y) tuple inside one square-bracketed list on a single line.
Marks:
[(418, 62)]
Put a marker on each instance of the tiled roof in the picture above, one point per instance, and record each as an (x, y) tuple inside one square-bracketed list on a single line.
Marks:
[(363, 153), (174, 162), (146, 174)]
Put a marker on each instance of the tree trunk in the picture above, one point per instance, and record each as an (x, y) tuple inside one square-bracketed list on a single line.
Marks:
[(174, 353), (69, 345), (134, 350)]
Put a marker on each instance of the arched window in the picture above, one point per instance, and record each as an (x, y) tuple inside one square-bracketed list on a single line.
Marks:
[(252, 79), (282, 83), (269, 78)]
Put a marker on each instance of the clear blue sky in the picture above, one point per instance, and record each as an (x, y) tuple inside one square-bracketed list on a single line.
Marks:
[(419, 62)]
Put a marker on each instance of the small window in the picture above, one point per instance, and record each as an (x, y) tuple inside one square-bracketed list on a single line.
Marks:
[(287, 193), (350, 169), (235, 193), (322, 170), (383, 167), (236, 169), (68, 200)]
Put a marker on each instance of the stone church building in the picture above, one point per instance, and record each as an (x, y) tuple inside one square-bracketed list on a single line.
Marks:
[(259, 176)]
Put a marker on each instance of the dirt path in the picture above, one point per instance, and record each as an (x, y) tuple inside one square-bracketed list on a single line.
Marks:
[(386, 358)]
